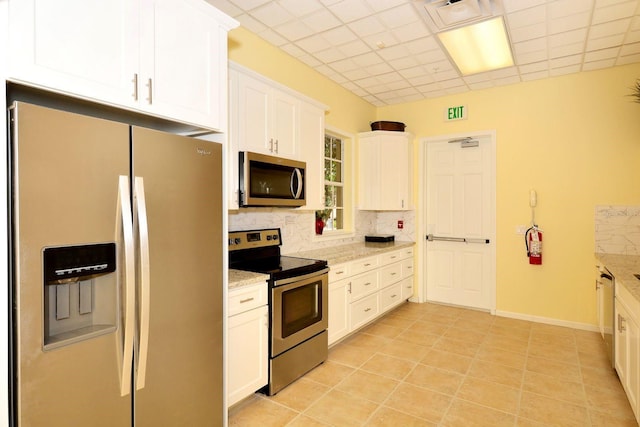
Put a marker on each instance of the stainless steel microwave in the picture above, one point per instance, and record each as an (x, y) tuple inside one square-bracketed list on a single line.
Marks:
[(271, 181)]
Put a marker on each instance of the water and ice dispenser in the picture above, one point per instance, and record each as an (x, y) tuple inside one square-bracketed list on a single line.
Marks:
[(80, 293)]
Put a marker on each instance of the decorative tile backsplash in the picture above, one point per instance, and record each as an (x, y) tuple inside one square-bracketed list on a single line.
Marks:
[(298, 227), (617, 230)]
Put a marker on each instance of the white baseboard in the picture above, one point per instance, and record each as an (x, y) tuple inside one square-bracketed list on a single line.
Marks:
[(548, 321)]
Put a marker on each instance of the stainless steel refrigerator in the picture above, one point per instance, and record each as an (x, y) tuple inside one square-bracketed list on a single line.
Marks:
[(116, 276)]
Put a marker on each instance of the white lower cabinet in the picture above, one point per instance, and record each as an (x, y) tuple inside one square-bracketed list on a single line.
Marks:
[(363, 289), (247, 342), (627, 345)]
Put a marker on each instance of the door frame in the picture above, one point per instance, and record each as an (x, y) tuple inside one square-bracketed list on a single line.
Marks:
[(422, 204)]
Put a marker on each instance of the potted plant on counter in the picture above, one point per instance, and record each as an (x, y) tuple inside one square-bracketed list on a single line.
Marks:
[(321, 218)]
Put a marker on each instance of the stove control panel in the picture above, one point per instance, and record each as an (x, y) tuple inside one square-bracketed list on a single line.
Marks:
[(254, 239)]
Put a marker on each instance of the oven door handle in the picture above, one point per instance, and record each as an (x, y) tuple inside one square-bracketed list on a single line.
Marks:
[(299, 278)]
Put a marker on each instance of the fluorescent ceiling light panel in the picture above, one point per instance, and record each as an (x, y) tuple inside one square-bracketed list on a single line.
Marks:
[(479, 47)]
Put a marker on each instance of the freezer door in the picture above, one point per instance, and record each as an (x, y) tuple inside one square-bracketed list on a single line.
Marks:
[(65, 173), (183, 198)]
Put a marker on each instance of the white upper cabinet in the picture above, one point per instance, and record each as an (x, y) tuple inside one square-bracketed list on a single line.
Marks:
[(268, 119), (385, 182), (163, 57)]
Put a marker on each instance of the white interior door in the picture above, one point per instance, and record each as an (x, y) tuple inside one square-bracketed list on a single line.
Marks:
[(460, 221)]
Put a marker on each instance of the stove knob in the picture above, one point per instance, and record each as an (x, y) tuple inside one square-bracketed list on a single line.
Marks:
[(230, 242), (275, 237), (237, 241), (268, 237)]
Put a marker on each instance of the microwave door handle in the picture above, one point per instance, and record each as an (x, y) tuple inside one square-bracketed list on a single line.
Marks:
[(298, 191)]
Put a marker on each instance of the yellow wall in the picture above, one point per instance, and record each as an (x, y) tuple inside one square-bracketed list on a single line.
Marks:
[(575, 139)]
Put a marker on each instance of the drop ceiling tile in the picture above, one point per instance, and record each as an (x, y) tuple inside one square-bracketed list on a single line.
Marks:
[(381, 68), (630, 49), (477, 78), (399, 16), (447, 84), (390, 77), (565, 70), (249, 4), (344, 65), (351, 10), (251, 24), (530, 46), (431, 56), (529, 57), (402, 63), (600, 55), (504, 73), (632, 37), (560, 8), (310, 60), (527, 33), (609, 28), (566, 61), (366, 26), (605, 42), (321, 21), (357, 74), (367, 59), (566, 50), (226, 7), (300, 7), (354, 48), (273, 38), (628, 59), (568, 23), (533, 67), (380, 5), (445, 74), (409, 73), (393, 52), (329, 55), (293, 50), (598, 65), (514, 5), (421, 80), (423, 44), (527, 77), (294, 30), (481, 85), (525, 18), (271, 14), (314, 44), (411, 32), (635, 21), (400, 85), (614, 12), (569, 37), (384, 39), (339, 35), (507, 81)]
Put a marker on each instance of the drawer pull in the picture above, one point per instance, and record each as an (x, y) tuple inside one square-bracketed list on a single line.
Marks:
[(394, 295), (339, 272), (367, 284), (367, 265), (242, 301), (367, 309), (393, 257), (394, 273)]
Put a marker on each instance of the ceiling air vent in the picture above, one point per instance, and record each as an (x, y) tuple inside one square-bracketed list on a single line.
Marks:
[(446, 14)]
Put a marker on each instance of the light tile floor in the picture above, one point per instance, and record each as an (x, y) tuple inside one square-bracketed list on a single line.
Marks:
[(435, 365)]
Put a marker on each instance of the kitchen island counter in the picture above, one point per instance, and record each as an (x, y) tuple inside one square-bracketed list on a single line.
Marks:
[(353, 251), (623, 268)]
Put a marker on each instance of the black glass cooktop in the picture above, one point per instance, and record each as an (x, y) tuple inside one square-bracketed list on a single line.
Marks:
[(281, 267)]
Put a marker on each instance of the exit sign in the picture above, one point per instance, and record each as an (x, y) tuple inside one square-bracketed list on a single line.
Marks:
[(459, 112)]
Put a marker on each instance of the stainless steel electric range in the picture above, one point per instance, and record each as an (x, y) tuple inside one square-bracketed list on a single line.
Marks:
[(298, 303)]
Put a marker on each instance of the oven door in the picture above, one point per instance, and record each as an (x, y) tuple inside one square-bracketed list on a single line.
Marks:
[(298, 310)]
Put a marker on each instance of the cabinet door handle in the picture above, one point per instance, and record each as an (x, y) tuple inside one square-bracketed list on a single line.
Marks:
[(276, 145), (150, 86), (349, 287), (135, 86), (271, 145), (242, 301)]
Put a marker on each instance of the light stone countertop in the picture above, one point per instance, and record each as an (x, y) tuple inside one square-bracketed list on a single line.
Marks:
[(343, 253), (623, 267), (238, 278), (333, 255)]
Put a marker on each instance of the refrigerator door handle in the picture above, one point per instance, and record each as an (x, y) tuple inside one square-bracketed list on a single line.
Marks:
[(124, 228), (140, 212)]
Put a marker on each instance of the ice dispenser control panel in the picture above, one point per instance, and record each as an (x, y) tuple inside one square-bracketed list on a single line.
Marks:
[(80, 293)]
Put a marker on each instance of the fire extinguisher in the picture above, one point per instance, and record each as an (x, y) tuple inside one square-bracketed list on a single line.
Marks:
[(533, 242)]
